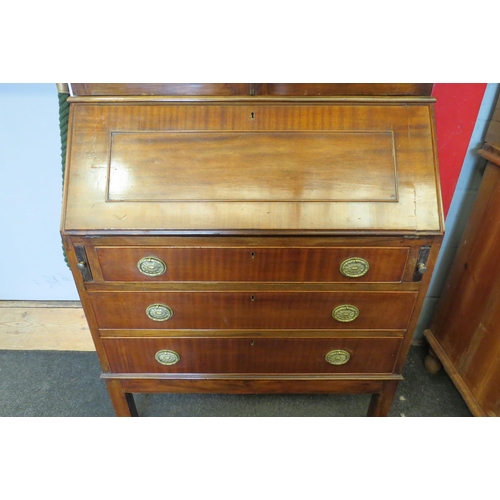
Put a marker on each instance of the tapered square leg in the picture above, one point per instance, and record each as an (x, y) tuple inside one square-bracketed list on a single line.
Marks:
[(123, 402), (380, 404)]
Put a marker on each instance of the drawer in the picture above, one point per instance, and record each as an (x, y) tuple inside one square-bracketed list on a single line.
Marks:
[(341, 264), (248, 355), (253, 310)]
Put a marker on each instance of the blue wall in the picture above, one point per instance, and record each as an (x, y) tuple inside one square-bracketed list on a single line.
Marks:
[(32, 266)]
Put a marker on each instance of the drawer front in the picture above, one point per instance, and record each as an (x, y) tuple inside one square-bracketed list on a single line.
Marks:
[(253, 310), (342, 264), (247, 355)]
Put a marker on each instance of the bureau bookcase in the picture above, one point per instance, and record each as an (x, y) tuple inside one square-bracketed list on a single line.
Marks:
[(252, 238)]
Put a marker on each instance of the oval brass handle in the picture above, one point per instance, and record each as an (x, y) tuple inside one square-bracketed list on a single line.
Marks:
[(167, 357), (81, 265), (345, 313), (151, 266), (338, 357), (355, 267), (159, 312)]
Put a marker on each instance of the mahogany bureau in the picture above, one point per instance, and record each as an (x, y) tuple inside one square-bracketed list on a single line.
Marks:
[(252, 238)]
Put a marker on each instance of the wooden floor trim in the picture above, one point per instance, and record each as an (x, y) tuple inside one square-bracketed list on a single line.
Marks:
[(44, 325)]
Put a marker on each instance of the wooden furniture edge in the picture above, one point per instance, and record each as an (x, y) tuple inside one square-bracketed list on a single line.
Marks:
[(250, 233), (243, 386), (454, 375), (490, 153), (250, 99), (256, 376)]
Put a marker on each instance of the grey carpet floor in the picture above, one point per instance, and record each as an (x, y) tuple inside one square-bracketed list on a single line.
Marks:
[(67, 384)]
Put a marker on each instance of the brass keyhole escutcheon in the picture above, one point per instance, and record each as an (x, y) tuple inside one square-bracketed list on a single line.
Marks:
[(151, 266), (345, 313), (159, 312), (337, 357), (167, 357), (355, 267)]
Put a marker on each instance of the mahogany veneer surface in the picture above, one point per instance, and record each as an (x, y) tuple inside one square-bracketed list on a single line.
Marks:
[(263, 167), (254, 310), (249, 355), (252, 264), (254, 199)]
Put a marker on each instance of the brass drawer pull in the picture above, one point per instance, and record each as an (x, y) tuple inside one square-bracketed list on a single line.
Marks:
[(159, 312), (151, 266), (354, 267), (337, 357), (166, 357), (345, 313)]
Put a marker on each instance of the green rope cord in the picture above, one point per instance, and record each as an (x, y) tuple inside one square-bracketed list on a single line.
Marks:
[(63, 129)]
